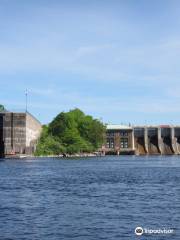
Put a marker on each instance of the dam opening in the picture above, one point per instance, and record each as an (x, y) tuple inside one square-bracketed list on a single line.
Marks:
[(153, 146), (1, 137), (166, 143), (139, 141), (177, 139)]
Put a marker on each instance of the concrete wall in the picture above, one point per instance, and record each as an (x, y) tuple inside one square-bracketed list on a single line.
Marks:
[(1, 137), (140, 140), (152, 139), (20, 133), (33, 130), (14, 133), (146, 140)]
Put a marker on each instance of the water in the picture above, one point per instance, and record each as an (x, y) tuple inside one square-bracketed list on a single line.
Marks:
[(89, 199)]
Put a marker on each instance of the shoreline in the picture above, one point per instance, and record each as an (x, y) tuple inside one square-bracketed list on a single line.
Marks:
[(80, 155)]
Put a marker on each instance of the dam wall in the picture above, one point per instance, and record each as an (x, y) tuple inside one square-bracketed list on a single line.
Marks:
[(1, 137), (146, 140), (176, 139), (19, 132), (153, 143), (140, 140), (166, 141)]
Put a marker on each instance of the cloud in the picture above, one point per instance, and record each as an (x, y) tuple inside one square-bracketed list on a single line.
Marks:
[(41, 92), (104, 62), (125, 60), (115, 104), (111, 108), (85, 51)]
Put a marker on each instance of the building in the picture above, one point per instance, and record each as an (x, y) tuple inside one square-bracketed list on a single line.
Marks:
[(119, 139), (19, 133), (141, 140)]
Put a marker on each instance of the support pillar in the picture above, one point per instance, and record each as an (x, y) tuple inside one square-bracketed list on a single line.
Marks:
[(173, 141), (133, 144), (159, 140), (146, 139)]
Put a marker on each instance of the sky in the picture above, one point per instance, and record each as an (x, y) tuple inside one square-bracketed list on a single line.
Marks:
[(118, 61)]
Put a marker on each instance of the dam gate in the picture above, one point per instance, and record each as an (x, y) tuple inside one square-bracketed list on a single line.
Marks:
[(1, 137)]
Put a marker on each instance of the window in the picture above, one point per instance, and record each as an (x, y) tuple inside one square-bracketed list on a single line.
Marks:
[(110, 143), (124, 134), (110, 134), (124, 143)]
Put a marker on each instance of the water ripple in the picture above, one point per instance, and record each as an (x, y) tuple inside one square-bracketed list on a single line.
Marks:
[(87, 199)]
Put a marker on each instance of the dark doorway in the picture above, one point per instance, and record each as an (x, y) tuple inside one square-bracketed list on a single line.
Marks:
[(1, 137)]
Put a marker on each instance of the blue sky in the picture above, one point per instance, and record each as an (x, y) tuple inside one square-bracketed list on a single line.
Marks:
[(116, 60)]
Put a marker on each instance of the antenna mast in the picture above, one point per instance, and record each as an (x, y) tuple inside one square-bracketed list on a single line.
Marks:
[(26, 99)]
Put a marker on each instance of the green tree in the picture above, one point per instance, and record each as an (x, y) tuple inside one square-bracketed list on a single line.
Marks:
[(71, 132), (2, 108), (48, 145)]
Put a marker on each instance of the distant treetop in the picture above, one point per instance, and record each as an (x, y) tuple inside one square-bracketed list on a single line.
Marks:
[(2, 108)]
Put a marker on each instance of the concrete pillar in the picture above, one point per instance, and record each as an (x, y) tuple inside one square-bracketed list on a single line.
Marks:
[(133, 144), (173, 140), (146, 139), (159, 140), (116, 141)]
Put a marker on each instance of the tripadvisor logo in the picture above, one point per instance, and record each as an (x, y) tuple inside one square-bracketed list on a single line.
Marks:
[(139, 231)]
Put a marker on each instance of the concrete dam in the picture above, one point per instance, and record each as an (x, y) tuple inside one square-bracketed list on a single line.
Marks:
[(142, 140), (19, 133)]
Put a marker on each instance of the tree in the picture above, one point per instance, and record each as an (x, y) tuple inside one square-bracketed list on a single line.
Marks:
[(48, 145), (71, 132), (2, 108)]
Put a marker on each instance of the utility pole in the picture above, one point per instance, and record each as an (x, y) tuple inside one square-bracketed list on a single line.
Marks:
[(26, 99)]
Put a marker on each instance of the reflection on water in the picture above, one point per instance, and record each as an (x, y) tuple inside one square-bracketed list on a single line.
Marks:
[(85, 199)]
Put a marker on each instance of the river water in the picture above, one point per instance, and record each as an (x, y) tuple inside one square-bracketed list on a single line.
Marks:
[(89, 199)]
